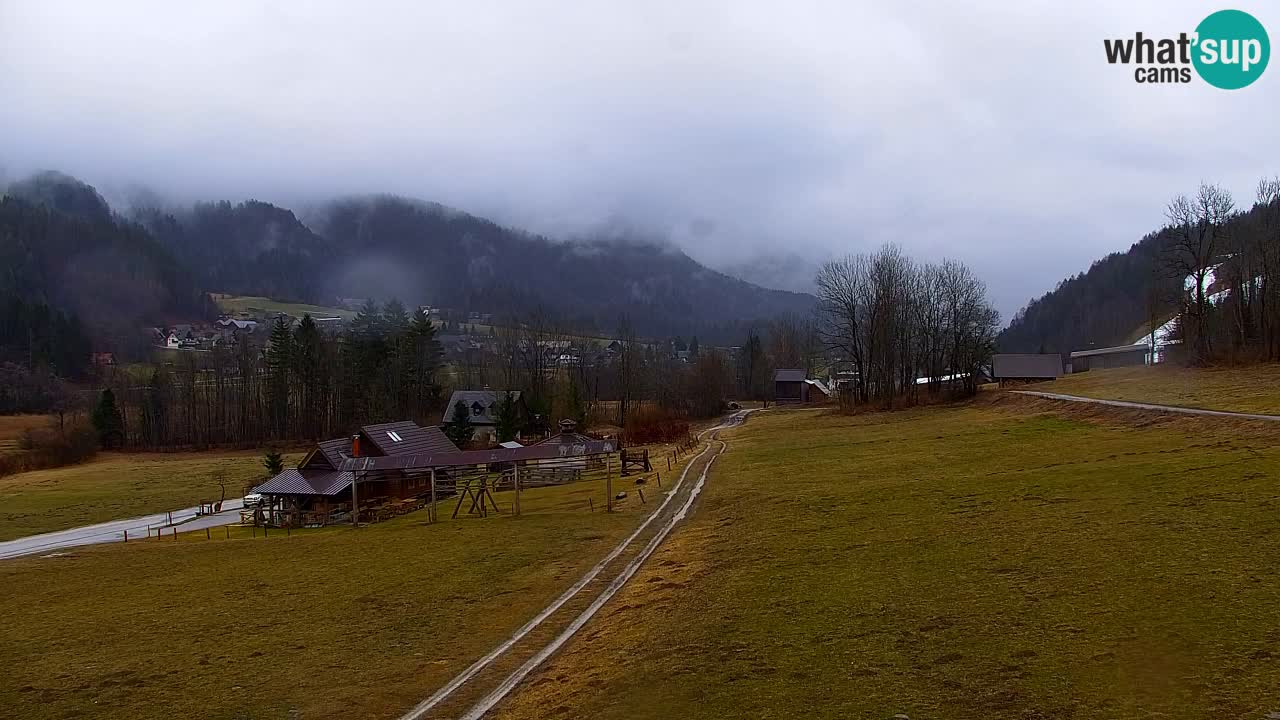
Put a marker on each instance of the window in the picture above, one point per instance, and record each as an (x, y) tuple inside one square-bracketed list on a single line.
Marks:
[(394, 435)]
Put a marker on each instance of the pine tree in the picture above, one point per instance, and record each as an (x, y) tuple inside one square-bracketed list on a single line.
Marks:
[(108, 421), (394, 317), (279, 357), (506, 419), (424, 360), (693, 349), (155, 410), (273, 461), (368, 320), (311, 374), (459, 429)]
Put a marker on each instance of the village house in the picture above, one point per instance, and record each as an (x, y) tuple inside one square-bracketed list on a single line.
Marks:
[(242, 325), (482, 411)]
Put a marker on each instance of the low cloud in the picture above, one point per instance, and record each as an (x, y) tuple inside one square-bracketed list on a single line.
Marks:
[(994, 133)]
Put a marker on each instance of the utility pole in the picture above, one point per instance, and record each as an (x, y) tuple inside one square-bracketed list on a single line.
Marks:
[(355, 501)]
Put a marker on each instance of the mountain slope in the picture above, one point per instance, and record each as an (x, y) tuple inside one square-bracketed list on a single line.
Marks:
[(252, 248), (110, 273), (427, 253)]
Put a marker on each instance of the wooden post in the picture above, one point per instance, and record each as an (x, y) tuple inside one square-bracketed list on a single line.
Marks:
[(516, 479), (608, 484), (355, 502), (126, 535), (228, 529), (207, 536), (659, 479), (175, 533), (668, 462), (433, 515), (592, 503), (641, 491)]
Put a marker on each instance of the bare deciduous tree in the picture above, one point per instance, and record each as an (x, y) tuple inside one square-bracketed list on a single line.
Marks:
[(1197, 233)]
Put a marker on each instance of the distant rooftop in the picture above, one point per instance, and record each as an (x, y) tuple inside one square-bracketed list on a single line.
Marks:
[(1116, 350)]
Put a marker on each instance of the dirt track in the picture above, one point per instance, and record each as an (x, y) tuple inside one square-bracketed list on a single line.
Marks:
[(479, 688)]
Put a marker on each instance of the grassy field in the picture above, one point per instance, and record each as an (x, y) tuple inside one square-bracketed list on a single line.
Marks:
[(119, 485), (1253, 388), (249, 303), (328, 623), (991, 561), (12, 427)]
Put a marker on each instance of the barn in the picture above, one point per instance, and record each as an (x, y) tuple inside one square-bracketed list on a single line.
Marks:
[(1110, 357), (1026, 367), (789, 386)]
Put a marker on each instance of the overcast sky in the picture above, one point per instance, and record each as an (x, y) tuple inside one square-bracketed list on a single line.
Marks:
[(994, 133)]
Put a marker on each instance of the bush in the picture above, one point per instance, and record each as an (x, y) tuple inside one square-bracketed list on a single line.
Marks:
[(49, 447), (650, 426)]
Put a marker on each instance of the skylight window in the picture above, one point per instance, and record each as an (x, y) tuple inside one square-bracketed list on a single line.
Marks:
[(394, 435)]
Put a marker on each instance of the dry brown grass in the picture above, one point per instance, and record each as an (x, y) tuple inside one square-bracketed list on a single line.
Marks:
[(1246, 388), (119, 485), (1002, 560), (13, 426), (333, 623)]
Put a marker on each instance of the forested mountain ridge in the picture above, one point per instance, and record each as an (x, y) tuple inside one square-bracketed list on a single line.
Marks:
[(431, 254), (371, 247), (1121, 295), (109, 274), (1101, 307), (251, 248)]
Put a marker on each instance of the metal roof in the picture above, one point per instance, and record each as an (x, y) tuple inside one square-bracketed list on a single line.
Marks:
[(312, 480), (1026, 365), (406, 438), (1118, 349), (294, 482), (576, 447), (334, 451), (487, 399), (789, 375)]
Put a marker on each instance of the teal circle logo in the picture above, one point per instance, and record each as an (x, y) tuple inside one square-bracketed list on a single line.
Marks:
[(1232, 49)]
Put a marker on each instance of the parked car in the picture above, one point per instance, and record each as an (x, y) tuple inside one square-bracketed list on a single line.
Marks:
[(252, 500)]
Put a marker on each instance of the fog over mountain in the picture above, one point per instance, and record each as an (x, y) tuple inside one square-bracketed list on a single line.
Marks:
[(759, 138)]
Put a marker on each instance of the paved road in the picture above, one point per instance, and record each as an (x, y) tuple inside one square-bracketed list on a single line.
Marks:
[(1149, 406), (185, 520)]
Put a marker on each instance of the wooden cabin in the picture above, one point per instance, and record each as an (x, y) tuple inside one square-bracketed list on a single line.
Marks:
[(318, 490)]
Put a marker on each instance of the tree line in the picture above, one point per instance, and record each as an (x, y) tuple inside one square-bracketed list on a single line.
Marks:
[(301, 385), (898, 327), (1209, 269)]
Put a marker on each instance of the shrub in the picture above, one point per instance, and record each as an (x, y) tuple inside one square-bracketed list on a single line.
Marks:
[(49, 447), (650, 426)]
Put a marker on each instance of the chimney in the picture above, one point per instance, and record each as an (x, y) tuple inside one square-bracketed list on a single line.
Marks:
[(355, 446), (567, 428)]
